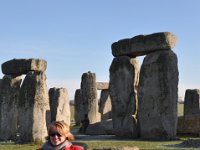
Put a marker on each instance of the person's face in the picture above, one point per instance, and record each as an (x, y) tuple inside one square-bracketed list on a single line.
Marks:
[(55, 137)]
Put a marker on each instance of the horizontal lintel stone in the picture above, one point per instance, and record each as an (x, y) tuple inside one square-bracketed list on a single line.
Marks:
[(22, 66), (144, 44), (102, 85)]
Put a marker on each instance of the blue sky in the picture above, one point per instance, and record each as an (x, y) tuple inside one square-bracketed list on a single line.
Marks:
[(76, 36)]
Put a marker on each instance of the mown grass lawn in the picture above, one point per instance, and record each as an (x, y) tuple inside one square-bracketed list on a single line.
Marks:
[(180, 109), (19, 147), (100, 144)]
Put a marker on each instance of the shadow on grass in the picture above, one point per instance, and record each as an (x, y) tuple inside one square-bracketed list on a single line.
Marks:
[(190, 143)]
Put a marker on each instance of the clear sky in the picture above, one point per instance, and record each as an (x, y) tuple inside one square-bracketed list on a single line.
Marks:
[(75, 36)]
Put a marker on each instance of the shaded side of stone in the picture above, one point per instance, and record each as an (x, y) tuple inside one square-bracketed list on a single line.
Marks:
[(89, 96), (192, 102), (23, 66), (59, 105), (158, 95), (79, 110), (144, 44), (123, 98), (104, 127), (189, 124), (105, 106), (9, 96), (33, 105)]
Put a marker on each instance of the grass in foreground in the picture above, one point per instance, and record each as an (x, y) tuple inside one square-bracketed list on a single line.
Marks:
[(143, 145), (19, 147)]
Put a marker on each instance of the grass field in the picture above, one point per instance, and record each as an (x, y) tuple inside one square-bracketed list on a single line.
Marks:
[(112, 145), (180, 109)]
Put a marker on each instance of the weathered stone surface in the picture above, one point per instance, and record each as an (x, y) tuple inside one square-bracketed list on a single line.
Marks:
[(121, 87), (79, 107), (101, 128), (102, 85), (189, 124), (144, 44), (158, 95), (105, 106), (59, 105), (192, 102), (22, 66), (33, 106), (89, 96), (9, 96)]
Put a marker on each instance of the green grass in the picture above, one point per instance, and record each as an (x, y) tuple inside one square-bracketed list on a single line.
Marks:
[(180, 109), (143, 145), (19, 147), (139, 144)]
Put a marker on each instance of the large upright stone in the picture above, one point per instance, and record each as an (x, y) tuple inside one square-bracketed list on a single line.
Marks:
[(59, 105), (192, 102), (79, 107), (123, 97), (33, 106), (158, 96), (105, 106), (89, 96), (9, 96), (144, 44), (23, 66)]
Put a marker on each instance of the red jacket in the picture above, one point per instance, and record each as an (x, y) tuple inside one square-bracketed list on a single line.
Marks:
[(74, 147)]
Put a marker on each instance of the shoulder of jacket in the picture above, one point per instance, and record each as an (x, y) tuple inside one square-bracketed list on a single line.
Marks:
[(74, 147)]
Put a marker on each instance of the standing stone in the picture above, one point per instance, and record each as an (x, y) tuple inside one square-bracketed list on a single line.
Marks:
[(122, 80), (33, 105), (79, 110), (9, 96), (89, 96), (192, 102), (105, 106), (158, 95), (59, 105)]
